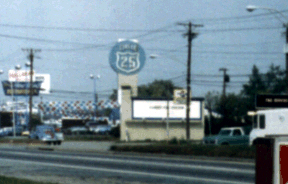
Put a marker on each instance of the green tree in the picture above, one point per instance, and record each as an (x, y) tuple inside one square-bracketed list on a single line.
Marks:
[(113, 96), (273, 82), (255, 85), (234, 107), (156, 89)]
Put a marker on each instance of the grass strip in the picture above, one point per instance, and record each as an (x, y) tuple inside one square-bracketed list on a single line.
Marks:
[(11, 180), (191, 150)]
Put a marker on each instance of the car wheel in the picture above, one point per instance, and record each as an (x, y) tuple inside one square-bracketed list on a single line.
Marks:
[(49, 143), (59, 142)]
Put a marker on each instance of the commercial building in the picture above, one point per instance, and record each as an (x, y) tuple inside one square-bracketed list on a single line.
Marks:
[(146, 119)]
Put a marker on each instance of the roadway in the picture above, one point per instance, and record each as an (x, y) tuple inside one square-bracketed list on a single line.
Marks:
[(124, 168)]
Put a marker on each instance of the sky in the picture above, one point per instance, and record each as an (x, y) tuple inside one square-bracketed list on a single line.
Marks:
[(76, 36)]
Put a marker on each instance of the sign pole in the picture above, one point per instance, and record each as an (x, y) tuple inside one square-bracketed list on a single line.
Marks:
[(167, 119), (13, 114)]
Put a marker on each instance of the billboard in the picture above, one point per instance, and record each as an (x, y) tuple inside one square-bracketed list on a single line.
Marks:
[(24, 76), (157, 109), (19, 75), (45, 85), (21, 88)]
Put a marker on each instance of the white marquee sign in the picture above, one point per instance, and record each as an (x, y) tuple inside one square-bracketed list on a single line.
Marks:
[(157, 109)]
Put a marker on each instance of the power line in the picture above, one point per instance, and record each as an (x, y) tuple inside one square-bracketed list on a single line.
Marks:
[(44, 40), (241, 29), (234, 45), (206, 20), (86, 29)]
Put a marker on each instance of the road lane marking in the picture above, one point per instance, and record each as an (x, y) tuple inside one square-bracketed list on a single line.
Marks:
[(128, 172), (214, 168)]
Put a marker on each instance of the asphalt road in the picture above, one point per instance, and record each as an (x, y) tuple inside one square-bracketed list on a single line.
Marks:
[(89, 168)]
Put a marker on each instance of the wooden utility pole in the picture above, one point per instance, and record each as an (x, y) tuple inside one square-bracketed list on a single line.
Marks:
[(224, 81), (286, 56), (31, 58), (191, 35)]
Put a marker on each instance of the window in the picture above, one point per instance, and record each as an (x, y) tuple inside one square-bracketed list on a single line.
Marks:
[(225, 132), (255, 121), (237, 132), (262, 121)]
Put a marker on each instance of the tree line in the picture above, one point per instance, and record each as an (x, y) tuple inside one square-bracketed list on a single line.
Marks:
[(234, 107)]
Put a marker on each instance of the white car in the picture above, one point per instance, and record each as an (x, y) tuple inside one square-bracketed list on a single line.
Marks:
[(47, 134)]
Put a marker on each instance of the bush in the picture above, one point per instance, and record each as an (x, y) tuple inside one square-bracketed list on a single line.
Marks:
[(173, 141)]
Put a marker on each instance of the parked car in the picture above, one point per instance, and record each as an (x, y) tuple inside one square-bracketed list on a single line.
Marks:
[(9, 131), (102, 129), (91, 125), (228, 136), (25, 133), (3, 133), (77, 130), (47, 134)]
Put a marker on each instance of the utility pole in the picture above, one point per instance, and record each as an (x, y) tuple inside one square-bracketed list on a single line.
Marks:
[(31, 58), (286, 55), (191, 35), (223, 104), (225, 79)]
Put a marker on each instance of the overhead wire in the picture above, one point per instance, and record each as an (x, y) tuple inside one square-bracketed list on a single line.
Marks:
[(147, 33)]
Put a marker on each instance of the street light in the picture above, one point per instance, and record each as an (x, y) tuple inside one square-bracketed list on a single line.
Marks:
[(95, 95), (17, 67), (251, 8), (154, 56)]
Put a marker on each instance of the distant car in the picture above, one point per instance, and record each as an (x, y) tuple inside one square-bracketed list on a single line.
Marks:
[(25, 133), (102, 129), (91, 125), (9, 131), (47, 134), (3, 133), (78, 130)]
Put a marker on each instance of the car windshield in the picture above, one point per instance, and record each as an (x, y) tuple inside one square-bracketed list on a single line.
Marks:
[(102, 126), (92, 124), (224, 132), (48, 131)]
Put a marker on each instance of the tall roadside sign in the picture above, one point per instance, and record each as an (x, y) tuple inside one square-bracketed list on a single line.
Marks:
[(127, 58)]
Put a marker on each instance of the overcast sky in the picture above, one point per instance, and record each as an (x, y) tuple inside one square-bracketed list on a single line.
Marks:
[(76, 36)]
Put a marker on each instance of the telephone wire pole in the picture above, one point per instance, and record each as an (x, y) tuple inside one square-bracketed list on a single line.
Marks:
[(31, 58), (191, 35)]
